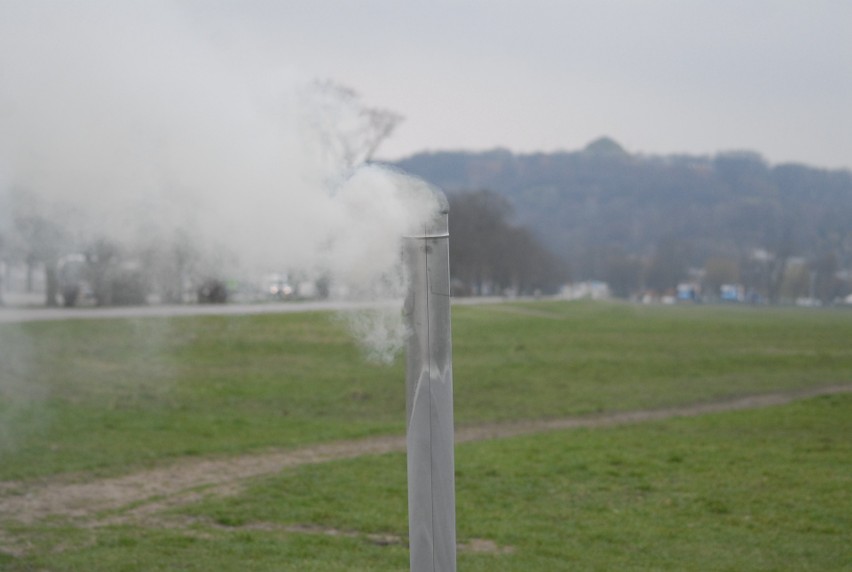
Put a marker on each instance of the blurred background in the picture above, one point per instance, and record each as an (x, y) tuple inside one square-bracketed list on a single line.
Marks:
[(194, 151)]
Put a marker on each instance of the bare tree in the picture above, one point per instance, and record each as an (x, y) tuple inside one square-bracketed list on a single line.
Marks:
[(784, 247), (719, 270), (825, 284), (668, 265), (488, 252), (40, 239)]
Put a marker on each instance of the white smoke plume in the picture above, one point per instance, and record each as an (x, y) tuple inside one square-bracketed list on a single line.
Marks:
[(121, 121), (20, 399)]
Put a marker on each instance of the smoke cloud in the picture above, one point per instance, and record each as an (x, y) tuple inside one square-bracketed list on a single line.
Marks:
[(20, 399), (121, 121)]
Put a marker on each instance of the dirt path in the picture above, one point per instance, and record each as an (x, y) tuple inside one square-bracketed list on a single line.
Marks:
[(137, 497)]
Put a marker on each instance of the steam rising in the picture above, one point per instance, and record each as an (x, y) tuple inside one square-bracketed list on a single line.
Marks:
[(19, 399), (121, 122)]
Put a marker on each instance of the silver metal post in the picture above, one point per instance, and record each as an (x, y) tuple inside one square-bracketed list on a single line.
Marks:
[(429, 381)]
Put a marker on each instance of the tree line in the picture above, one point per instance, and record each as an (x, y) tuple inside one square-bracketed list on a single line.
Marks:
[(647, 223), (490, 254)]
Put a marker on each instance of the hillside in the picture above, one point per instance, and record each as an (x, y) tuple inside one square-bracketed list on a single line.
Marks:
[(610, 213)]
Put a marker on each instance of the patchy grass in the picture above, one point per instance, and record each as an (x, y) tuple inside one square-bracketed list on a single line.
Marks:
[(750, 490), (107, 396), (118, 394), (552, 359)]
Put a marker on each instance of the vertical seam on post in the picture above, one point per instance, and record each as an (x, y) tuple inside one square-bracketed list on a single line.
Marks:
[(427, 290)]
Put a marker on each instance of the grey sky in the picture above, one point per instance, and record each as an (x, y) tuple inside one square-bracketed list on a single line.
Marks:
[(659, 76)]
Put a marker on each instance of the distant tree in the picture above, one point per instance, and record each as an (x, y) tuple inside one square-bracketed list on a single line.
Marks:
[(488, 252), (526, 267), (668, 266), (102, 257), (826, 285), (115, 274), (589, 203), (795, 283), (171, 262), (742, 168), (40, 239), (478, 225), (606, 147), (719, 270), (777, 264), (623, 273)]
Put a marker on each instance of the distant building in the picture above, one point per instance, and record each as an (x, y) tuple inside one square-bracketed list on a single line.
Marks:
[(592, 290), (732, 293), (688, 292)]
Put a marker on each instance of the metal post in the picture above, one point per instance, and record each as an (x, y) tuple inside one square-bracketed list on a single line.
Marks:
[(429, 381)]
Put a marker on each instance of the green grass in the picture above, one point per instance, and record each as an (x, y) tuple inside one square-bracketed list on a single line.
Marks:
[(751, 490), (582, 358), (115, 395), (755, 490)]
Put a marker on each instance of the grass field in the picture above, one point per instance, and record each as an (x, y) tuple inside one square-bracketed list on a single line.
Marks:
[(757, 490)]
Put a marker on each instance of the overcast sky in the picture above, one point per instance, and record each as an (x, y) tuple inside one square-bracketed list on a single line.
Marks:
[(685, 76), (694, 76)]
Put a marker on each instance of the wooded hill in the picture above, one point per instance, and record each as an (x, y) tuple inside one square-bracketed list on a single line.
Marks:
[(642, 222)]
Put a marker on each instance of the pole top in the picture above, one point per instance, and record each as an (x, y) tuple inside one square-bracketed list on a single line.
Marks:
[(437, 224)]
